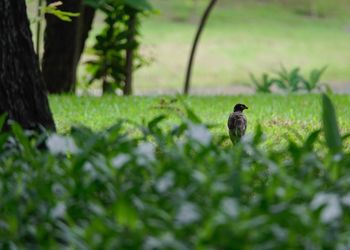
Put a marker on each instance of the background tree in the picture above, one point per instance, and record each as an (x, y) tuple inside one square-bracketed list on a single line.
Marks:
[(22, 90), (64, 44), (116, 47)]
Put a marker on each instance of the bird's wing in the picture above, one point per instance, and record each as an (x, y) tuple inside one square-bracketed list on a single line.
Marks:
[(237, 124)]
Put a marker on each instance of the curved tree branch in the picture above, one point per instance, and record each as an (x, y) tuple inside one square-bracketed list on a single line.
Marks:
[(195, 44)]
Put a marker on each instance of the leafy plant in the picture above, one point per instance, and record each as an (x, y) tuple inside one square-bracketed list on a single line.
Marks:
[(264, 85), (117, 44), (147, 187), (314, 79), (53, 10), (63, 15), (289, 81), (332, 134)]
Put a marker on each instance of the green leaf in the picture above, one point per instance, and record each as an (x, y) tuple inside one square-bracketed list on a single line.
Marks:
[(265, 84), (258, 134), (345, 137), (316, 74), (2, 120), (330, 125), (312, 138), (3, 136), (125, 213), (21, 137), (96, 4), (142, 5), (189, 112), (153, 123), (63, 15)]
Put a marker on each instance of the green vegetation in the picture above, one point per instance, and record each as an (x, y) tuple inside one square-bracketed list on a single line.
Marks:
[(242, 37), (290, 81), (117, 45), (159, 172), (173, 189), (279, 115)]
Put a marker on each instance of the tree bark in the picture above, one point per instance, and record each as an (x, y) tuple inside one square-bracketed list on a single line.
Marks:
[(22, 90), (64, 44), (195, 45)]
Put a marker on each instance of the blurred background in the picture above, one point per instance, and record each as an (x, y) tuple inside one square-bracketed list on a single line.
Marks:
[(241, 38)]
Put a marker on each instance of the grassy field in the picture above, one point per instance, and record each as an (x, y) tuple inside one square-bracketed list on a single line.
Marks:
[(241, 37), (280, 116)]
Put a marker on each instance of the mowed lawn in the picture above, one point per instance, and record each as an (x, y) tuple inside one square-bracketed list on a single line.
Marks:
[(280, 116), (241, 37)]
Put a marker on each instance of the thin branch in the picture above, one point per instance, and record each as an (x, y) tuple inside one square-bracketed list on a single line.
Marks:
[(195, 45)]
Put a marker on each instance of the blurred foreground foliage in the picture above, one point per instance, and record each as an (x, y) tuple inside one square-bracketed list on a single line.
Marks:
[(173, 189)]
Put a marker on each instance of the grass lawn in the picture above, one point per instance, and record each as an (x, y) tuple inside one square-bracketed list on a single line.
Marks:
[(241, 37), (280, 116)]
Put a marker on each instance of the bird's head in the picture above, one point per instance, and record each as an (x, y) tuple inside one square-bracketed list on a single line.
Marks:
[(239, 107)]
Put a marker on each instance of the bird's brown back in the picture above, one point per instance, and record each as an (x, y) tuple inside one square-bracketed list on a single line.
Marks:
[(237, 124)]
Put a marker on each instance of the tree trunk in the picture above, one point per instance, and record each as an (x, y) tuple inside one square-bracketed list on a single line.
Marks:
[(195, 44), (129, 65), (64, 44), (22, 90)]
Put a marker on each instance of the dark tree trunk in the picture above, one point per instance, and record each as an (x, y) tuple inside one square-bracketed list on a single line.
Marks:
[(129, 66), (86, 20), (195, 44), (64, 44), (22, 90)]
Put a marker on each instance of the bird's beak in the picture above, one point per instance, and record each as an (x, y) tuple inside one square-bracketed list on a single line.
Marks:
[(246, 107)]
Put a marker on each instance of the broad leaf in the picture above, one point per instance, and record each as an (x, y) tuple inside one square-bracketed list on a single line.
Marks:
[(330, 125), (2, 121), (139, 4)]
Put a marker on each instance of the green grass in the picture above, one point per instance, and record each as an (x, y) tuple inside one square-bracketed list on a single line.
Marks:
[(280, 116), (185, 190), (241, 38)]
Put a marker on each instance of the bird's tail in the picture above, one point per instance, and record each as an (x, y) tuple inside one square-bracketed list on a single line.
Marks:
[(234, 139)]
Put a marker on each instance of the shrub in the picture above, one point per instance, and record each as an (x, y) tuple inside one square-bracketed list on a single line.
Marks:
[(290, 81), (116, 50), (264, 85), (177, 188)]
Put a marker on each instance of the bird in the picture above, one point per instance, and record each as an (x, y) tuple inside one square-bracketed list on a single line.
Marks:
[(237, 123)]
